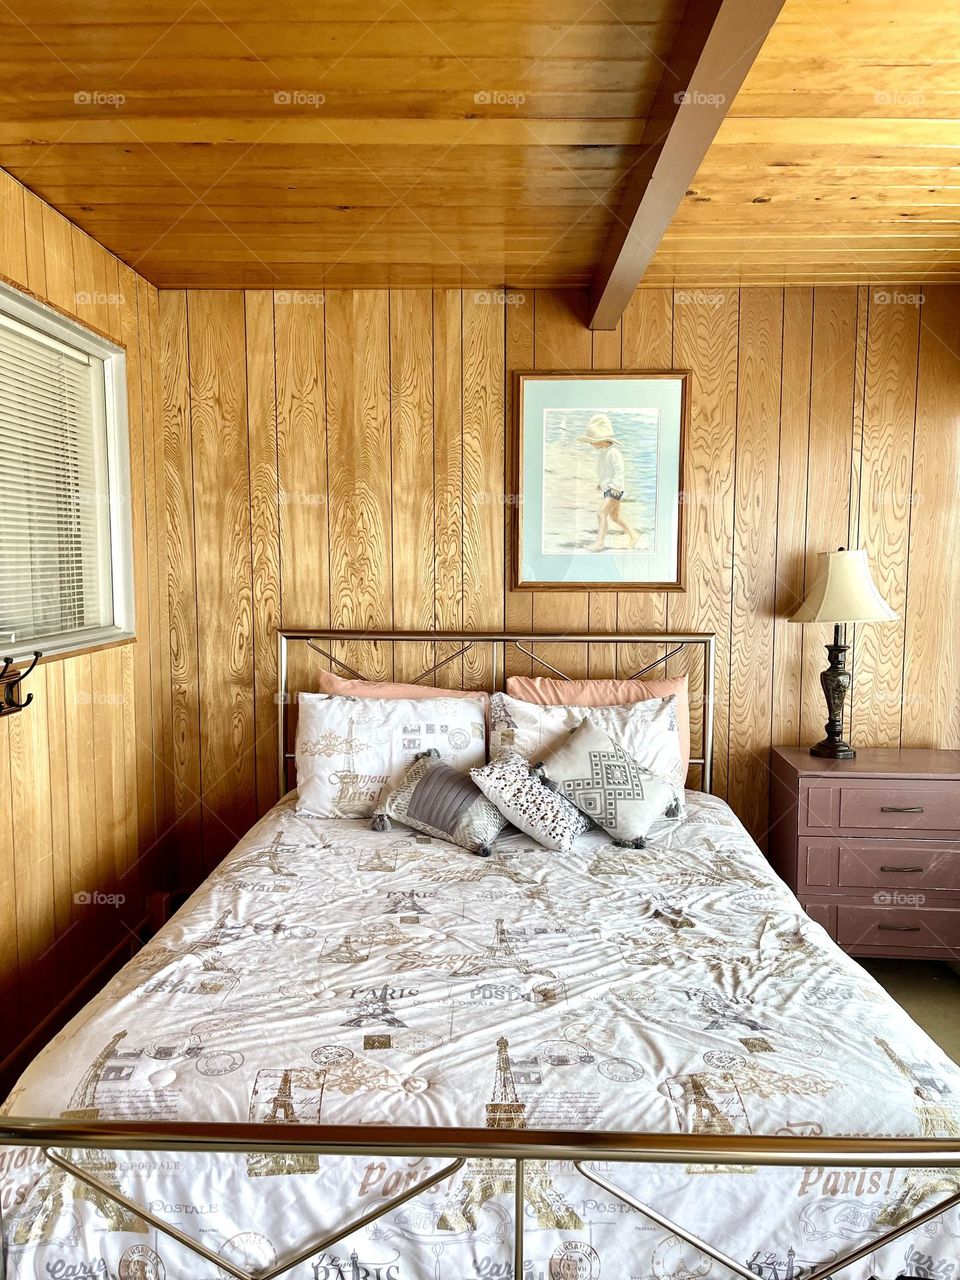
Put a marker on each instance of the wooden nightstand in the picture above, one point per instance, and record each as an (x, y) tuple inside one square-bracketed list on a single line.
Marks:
[(871, 847)]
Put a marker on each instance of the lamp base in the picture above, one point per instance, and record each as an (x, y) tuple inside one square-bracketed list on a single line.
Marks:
[(835, 682), (830, 750)]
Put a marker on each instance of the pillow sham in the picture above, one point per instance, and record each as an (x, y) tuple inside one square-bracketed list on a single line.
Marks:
[(349, 750), (333, 684), (647, 731), (534, 809), (440, 801), (592, 770), (547, 692)]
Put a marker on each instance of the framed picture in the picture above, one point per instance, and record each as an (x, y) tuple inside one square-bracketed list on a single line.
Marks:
[(598, 480)]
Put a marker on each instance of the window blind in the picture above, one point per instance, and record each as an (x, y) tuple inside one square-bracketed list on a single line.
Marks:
[(55, 574)]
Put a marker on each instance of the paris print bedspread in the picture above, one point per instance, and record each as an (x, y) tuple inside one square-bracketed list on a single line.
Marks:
[(326, 972)]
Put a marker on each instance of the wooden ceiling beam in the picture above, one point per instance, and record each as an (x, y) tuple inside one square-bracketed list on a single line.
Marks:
[(715, 46)]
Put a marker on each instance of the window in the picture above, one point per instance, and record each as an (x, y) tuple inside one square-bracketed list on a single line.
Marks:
[(65, 539)]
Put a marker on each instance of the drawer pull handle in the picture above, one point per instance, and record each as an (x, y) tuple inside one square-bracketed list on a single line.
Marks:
[(899, 928), (902, 870), (901, 808)]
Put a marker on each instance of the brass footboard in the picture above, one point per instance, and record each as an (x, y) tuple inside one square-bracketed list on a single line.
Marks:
[(456, 1146)]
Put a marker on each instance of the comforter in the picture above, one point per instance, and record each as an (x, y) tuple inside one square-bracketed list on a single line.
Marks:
[(326, 972)]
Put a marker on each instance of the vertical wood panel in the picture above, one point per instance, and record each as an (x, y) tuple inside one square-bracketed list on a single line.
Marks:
[(483, 473), (754, 555), (33, 208), (221, 478), (358, 434), (13, 242), (181, 583), (885, 492), (265, 533), (792, 513), (10, 992), (519, 341), (705, 341), (833, 381), (412, 466), (158, 534), (448, 476), (140, 714), (647, 343), (931, 712)]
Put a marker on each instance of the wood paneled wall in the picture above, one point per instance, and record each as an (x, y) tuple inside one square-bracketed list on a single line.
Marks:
[(340, 460), (83, 779)]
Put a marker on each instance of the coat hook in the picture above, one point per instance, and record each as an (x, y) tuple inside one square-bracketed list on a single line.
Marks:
[(10, 682)]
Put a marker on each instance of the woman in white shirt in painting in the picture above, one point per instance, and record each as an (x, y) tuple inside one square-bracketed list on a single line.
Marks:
[(611, 485)]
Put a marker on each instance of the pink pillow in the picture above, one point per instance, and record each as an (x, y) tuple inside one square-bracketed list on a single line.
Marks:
[(546, 692), (329, 683)]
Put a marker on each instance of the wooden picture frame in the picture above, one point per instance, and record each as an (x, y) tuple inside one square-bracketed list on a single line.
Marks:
[(569, 530)]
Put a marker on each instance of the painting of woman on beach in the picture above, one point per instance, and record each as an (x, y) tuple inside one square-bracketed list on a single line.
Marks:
[(599, 501)]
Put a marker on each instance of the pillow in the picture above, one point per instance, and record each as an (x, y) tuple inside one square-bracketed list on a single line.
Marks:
[(594, 772), (349, 750), (647, 731), (547, 692), (533, 808), (433, 798), (329, 683)]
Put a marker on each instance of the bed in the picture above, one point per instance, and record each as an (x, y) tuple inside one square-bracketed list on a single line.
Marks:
[(327, 974)]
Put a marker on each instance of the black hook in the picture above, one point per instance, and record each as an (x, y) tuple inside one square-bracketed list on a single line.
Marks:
[(10, 685)]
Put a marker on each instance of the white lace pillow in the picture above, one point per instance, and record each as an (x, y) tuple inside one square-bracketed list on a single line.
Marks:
[(648, 731), (533, 808), (350, 750)]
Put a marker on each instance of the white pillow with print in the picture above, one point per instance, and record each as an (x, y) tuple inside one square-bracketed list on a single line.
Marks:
[(648, 731), (352, 750)]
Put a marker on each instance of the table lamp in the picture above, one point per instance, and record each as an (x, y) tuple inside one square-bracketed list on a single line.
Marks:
[(843, 592)]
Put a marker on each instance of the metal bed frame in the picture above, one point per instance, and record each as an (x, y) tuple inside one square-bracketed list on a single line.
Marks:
[(516, 1146), (500, 643)]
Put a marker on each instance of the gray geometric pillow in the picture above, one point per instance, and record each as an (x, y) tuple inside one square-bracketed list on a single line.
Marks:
[(440, 801), (533, 808), (595, 773)]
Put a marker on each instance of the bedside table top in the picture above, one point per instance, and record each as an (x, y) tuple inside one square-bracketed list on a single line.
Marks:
[(877, 762)]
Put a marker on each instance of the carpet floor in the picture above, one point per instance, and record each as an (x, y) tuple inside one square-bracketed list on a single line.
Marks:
[(930, 993)]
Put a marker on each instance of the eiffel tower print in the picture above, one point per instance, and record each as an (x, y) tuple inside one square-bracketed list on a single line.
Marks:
[(355, 1267), (375, 1008), (83, 1100), (216, 935), (505, 1110), (486, 1180), (282, 1110), (404, 903), (936, 1120), (502, 953), (40, 1227), (267, 859), (345, 952)]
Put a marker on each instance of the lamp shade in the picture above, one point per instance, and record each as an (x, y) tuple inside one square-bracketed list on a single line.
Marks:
[(843, 591)]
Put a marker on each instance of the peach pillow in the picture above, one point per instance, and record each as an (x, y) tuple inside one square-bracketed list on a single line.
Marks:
[(329, 683), (546, 692)]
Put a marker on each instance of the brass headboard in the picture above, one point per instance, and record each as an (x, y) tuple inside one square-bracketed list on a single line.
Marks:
[(499, 653)]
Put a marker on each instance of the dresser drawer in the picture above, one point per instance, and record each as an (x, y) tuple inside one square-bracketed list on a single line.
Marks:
[(921, 806), (899, 927), (899, 864)]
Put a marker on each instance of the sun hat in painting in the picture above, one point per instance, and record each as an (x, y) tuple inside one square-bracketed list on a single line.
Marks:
[(599, 430)]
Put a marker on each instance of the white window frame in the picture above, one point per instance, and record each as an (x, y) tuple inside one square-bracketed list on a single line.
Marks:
[(36, 315)]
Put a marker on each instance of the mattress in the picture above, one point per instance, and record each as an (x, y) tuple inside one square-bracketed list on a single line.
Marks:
[(326, 972)]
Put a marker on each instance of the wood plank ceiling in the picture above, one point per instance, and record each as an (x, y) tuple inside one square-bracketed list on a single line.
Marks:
[(440, 143), (348, 143), (839, 160)]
